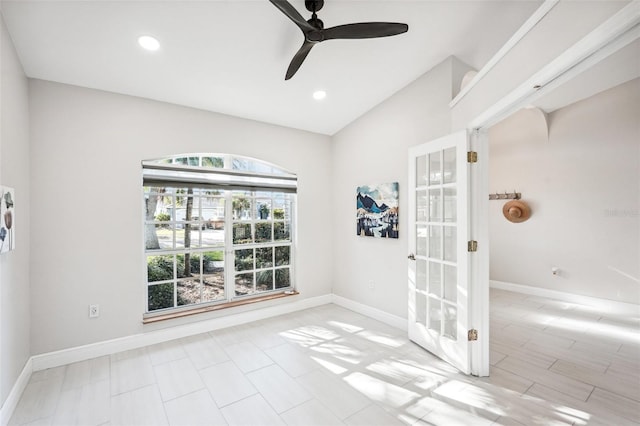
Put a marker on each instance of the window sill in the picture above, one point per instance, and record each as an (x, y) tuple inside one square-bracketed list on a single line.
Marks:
[(195, 311)]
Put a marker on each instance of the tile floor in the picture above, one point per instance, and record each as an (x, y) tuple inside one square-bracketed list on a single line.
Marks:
[(552, 363)]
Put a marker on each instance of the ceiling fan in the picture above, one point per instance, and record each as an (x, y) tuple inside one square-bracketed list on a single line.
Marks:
[(314, 31)]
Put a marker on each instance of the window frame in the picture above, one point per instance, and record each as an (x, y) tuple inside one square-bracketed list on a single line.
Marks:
[(228, 246)]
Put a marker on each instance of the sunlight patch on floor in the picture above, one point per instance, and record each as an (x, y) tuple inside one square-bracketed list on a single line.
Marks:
[(395, 370), (341, 352), (383, 339), (488, 400), (334, 368), (381, 391), (598, 329), (349, 328)]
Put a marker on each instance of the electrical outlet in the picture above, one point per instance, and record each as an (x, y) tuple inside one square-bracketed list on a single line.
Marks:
[(372, 285), (94, 311)]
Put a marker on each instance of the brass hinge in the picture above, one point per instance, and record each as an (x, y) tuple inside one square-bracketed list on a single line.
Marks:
[(472, 246), (472, 334), (472, 157)]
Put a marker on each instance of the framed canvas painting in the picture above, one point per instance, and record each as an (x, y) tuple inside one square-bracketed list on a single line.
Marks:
[(377, 210), (7, 219)]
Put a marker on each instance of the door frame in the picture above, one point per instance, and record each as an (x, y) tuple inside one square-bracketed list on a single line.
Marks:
[(478, 203)]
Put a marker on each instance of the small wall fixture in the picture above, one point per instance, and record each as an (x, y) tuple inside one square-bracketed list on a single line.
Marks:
[(506, 196)]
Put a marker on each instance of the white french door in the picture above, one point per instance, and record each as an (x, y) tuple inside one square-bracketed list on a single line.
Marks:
[(439, 315)]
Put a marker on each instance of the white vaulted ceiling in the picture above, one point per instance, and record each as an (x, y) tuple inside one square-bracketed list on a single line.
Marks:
[(231, 56)]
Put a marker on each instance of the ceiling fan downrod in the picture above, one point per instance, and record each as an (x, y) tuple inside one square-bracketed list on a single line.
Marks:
[(313, 6)]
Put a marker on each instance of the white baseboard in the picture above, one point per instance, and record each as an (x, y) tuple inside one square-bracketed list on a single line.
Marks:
[(16, 392), (603, 305), (94, 350), (387, 318)]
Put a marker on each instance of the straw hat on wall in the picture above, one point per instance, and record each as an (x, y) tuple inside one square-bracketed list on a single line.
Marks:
[(516, 211)]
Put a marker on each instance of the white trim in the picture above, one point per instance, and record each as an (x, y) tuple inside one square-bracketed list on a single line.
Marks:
[(479, 261), (609, 37), (16, 392), (613, 307), (530, 23), (385, 317), (94, 350)]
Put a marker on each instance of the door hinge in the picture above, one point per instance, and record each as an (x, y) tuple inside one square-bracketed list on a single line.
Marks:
[(472, 334), (472, 246), (472, 157)]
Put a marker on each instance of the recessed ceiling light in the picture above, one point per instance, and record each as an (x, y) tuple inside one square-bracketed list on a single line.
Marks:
[(149, 43), (318, 95)]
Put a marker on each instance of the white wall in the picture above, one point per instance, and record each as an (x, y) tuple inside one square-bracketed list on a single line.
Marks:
[(583, 185), (14, 172), (86, 149), (374, 149)]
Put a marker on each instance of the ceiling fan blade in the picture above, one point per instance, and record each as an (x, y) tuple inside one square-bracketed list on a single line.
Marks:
[(364, 30), (291, 12), (298, 59)]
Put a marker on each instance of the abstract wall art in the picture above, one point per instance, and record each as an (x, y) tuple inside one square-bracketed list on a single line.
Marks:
[(377, 210)]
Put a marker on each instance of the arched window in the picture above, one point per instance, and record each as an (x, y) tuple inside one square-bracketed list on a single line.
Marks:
[(218, 228)]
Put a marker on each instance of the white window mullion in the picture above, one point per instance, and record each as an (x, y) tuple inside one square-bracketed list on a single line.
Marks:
[(229, 255), (175, 280)]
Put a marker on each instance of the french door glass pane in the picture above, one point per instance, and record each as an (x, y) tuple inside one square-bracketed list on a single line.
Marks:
[(421, 240), (421, 308), (435, 242), (450, 322), (435, 172), (450, 283), (421, 170), (450, 243), (434, 314), (421, 206), (421, 275), (435, 279), (450, 204), (435, 205), (449, 165)]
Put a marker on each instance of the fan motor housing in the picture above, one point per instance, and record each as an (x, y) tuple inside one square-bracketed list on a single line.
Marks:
[(313, 5)]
